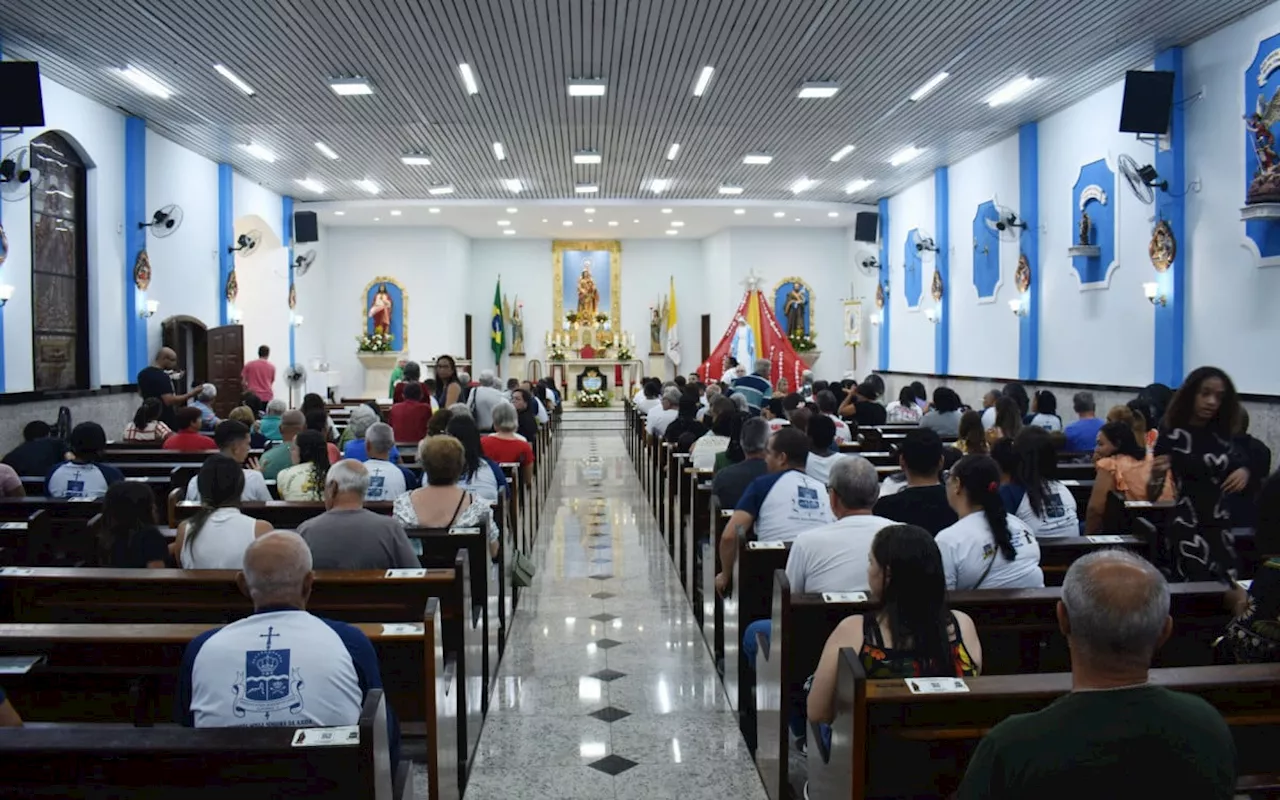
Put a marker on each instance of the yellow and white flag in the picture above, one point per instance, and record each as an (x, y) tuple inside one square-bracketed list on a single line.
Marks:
[(673, 330)]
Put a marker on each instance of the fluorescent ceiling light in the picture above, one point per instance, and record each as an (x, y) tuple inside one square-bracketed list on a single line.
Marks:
[(433, 211), (636, 221), (803, 185), (666, 211), (613, 223), (416, 159), (1011, 91), (377, 219), (779, 214), (588, 211), (726, 189), (842, 152), (446, 188), (468, 79), (677, 224), (833, 214), (739, 211), (502, 223), (235, 79), (311, 185), (704, 78), (513, 185), (817, 90), (145, 82), (672, 151), (928, 86), (499, 152), (586, 188), (586, 88), (586, 157), (368, 184), (513, 210), (857, 185), (339, 213), (672, 232), (509, 232), (346, 87), (326, 150), (757, 158), (660, 185), (259, 151), (904, 155), (568, 223)]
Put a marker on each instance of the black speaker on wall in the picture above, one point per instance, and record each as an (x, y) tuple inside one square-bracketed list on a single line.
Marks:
[(305, 227), (23, 104), (1148, 102), (866, 227)]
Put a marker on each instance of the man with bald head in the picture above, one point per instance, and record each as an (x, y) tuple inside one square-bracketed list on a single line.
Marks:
[(154, 381), (280, 666), (1114, 732)]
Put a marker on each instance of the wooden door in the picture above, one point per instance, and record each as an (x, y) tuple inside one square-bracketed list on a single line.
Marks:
[(706, 337), (226, 362), (466, 336)]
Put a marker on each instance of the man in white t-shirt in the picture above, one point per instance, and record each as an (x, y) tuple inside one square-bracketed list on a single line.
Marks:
[(657, 420), (387, 481), (232, 439), (777, 505)]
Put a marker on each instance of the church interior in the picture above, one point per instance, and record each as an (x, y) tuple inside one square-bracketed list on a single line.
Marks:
[(921, 241)]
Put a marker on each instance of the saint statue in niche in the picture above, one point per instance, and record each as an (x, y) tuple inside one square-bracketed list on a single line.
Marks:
[(588, 294), (655, 330), (517, 329), (1265, 185), (794, 309), (380, 310), (1086, 227)]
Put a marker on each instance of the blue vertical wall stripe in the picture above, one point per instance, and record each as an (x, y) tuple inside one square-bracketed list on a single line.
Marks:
[(135, 239), (3, 276), (1170, 320), (941, 263), (884, 283), (286, 228), (226, 238), (1029, 200)]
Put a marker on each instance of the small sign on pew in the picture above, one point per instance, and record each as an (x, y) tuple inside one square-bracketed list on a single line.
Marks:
[(936, 685), (82, 499), (402, 628), (844, 597), (463, 531), (18, 665), (1106, 539), (16, 571), (13, 526), (327, 737), (766, 546), (405, 573)]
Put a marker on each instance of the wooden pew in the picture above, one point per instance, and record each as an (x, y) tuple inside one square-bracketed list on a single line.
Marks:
[(1057, 554), (282, 514), (143, 455), (70, 529), (23, 540), (713, 603), (748, 600), (97, 762), (888, 742)]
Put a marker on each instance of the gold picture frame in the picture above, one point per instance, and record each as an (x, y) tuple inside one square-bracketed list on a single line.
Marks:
[(404, 309), (614, 248)]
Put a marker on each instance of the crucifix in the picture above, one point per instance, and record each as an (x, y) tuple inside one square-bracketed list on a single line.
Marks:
[(270, 633)]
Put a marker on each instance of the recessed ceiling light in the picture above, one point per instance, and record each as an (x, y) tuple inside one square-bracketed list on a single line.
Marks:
[(1011, 91), (797, 219), (613, 223), (395, 212), (568, 223), (858, 185), (779, 214), (586, 88), (504, 222), (904, 155), (726, 189), (928, 86), (544, 219), (377, 219), (635, 220), (350, 86), (586, 157), (590, 219), (757, 158), (739, 211), (311, 185), (145, 82), (666, 211), (672, 232), (586, 188), (509, 232), (704, 78), (817, 90), (235, 79), (433, 210), (442, 189), (416, 159), (326, 150), (339, 213), (673, 151), (468, 79), (660, 185), (803, 185), (677, 224), (842, 152), (259, 151), (833, 214), (368, 184), (588, 211), (499, 152), (513, 185), (513, 211)]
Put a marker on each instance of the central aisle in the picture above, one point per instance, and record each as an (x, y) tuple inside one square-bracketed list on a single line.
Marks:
[(607, 688)]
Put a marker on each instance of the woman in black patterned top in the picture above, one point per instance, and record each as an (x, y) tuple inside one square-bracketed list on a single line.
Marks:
[(1196, 446)]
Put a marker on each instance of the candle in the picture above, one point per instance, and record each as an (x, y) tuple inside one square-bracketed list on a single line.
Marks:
[(548, 338)]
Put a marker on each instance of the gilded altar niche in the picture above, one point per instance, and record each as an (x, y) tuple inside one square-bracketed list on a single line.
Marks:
[(587, 283)]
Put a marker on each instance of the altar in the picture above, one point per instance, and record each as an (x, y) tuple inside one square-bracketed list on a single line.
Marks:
[(621, 375)]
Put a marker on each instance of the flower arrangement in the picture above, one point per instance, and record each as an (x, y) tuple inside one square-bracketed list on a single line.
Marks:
[(597, 398), (556, 352), (376, 342), (624, 353), (571, 317), (802, 343), (602, 318)]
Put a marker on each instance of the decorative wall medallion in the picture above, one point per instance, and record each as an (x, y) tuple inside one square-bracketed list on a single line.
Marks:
[(142, 270), (293, 297), (233, 288), (935, 288), (4, 245), (879, 295), (1022, 275), (1163, 248)]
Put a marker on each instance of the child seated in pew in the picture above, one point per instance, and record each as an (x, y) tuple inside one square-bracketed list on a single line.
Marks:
[(129, 538)]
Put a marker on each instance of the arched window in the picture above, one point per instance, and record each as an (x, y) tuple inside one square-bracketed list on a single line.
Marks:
[(59, 267)]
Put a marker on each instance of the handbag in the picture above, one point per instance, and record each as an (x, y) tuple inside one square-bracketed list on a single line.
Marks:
[(522, 571)]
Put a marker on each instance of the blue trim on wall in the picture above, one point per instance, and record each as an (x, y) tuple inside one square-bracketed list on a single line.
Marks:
[(884, 282), (226, 238), (1029, 200), (286, 228), (135, 239), (941, 265), (1170, 320)]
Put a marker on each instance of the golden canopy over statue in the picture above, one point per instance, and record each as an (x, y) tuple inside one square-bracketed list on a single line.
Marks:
[(588, 294), (380, 310)]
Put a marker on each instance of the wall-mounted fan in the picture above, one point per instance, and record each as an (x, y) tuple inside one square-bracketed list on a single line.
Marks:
[(871, 264), (1141, 179), (924, 244), (18, 178), (1007, 224), (247, 243), (303, 262), (294, 378), (165, 221)]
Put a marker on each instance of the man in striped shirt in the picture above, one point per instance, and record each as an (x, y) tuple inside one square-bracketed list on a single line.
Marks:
[(754, 387)]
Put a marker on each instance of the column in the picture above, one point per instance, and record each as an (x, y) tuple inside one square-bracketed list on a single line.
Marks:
[(135, 240), (286, 233), (884, 283), (941, 263), (1029, 243), (226, 240), (1171, 319)]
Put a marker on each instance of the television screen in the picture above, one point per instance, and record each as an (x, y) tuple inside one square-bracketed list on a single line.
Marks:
[(1148, 102), (21, 105), (866, 227)]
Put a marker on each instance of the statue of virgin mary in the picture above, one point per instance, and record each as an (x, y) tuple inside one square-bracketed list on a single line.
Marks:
[(743, 345)]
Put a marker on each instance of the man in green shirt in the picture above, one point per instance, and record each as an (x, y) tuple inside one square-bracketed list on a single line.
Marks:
[(396, 375), (279, 457), (1114, 734)]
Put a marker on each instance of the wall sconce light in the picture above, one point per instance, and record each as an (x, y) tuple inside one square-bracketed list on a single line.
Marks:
[(6, 292), (1151, 291), (150, 311), (876, 318), (297, 321), (933, 315), (1018, 308)]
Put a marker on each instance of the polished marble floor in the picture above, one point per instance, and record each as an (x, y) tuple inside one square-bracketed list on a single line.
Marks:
[(607, 689)]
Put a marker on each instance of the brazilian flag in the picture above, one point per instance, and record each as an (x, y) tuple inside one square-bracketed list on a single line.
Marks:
[(498, 328)]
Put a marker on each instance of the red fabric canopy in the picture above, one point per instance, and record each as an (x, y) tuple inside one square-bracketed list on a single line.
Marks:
[(771, 343)]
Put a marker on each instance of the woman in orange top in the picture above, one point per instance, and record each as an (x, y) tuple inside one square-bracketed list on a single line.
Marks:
[(1123, 466)]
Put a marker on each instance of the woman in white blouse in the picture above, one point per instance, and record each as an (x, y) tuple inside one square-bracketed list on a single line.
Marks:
[(216, 537), (724, 427), (441, 502), (988, 548)]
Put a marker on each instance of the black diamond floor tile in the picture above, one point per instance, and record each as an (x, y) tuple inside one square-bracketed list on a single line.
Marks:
[(607, 675), (604, 577), (605, 617), (608, 644), (601, 546), (603, 596), (601, 561), (612, 765), (610, 714)]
